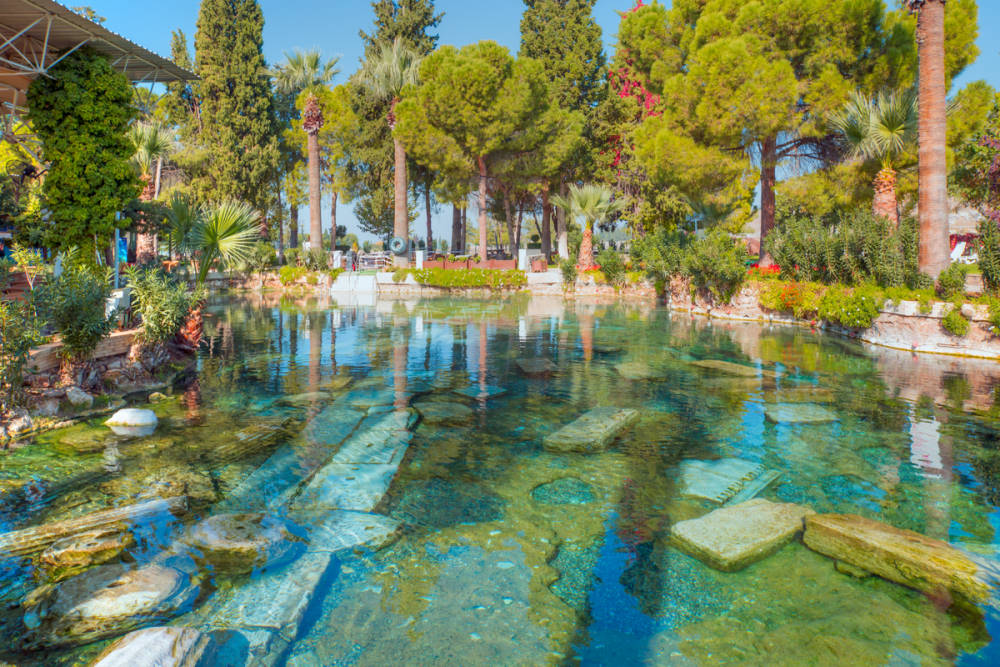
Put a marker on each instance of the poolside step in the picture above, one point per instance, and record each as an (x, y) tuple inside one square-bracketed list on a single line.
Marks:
[(592, 432)]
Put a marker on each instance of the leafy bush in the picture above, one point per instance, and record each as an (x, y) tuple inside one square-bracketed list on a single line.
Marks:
[(290, 274), (399, 275), (612, 266), (994, 306), (569, 272), (317, 260), (660, 253), (852, 248), (292, 256), (261, 258), (161, 301), (20, 331), (74, 303), (471, 278), (989, 253), (334, 274), (951, 282), (855, 308), (800, 299), (955, 323), (716, 263)]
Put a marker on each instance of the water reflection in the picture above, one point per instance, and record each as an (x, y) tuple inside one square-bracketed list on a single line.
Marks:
[(516, 555)]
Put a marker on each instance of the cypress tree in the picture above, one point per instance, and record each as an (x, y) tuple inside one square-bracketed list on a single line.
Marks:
[(563, 35), (238, 127)]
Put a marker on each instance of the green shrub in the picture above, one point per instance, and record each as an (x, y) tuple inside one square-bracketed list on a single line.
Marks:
[(262, 257), (290, 274), (612, 266), (20, 331), (312, 279), (800, 299), (292, 256), (569, 272), (989, 253), (852, 248), (660, 253), (399, 275), (951, 282), (716, 263), (955, 323), (855, 308), (471, 278), (74, 303), (994, 305), (317, 260), (334, 274), (161, 301)]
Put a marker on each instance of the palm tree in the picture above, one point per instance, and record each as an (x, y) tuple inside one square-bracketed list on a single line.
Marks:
[(150, 143), (387, 72), (593, 203), (879, 128), (303, 72), (183, 214), (228, 233), (932, 167)]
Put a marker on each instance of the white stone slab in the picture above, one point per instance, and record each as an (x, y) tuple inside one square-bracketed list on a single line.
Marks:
[(799, 413), (731, 538), (592, 432), (346, 487), (718, 480)]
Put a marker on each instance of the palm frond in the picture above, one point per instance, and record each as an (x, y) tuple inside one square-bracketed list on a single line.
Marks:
[(390, 69), (591, 202), (227, 232), (150, 141), (304, 69)]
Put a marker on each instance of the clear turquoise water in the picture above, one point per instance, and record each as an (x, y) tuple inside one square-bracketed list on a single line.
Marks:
[(496, 565)]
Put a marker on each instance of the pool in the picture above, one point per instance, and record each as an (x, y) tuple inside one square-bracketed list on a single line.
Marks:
[(408, 457)]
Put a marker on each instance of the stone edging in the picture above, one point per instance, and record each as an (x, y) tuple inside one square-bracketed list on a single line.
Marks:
[(899, 326)]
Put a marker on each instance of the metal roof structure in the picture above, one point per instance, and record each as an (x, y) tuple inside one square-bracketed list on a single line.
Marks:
[(35, 35)]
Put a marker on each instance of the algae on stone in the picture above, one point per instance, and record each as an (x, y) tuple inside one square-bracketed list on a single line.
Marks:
[(902, 556), (731, 538), (593, 432)]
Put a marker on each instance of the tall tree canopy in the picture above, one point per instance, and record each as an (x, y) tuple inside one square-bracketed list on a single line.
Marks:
[(81, 112), (237, 120), (476, 109), (371, 164), (756, 80)]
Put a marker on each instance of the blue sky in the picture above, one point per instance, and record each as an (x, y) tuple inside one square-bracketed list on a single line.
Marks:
[(332, 26)]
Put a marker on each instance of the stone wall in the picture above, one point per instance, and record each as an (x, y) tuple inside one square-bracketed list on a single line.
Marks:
[(899, 326)]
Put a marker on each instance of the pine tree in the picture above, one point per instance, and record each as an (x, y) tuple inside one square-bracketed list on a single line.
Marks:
[(371, 163), (238, 127)]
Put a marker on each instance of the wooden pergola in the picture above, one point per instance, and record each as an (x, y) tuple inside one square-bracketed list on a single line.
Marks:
[(35, 35)]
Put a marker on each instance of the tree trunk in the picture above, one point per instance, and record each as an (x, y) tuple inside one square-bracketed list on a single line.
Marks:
[(333, 219), (145, 245), (509, 214), (456, 230), (483, 243), (562, 235), (465, 230), (401, 212), (546, 224), (586, 258), (768, 167), (518, 230), (884, 204), (159, 178), (315, 201), (932, 126), (281, 229), (293, 226), (430, 231)]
